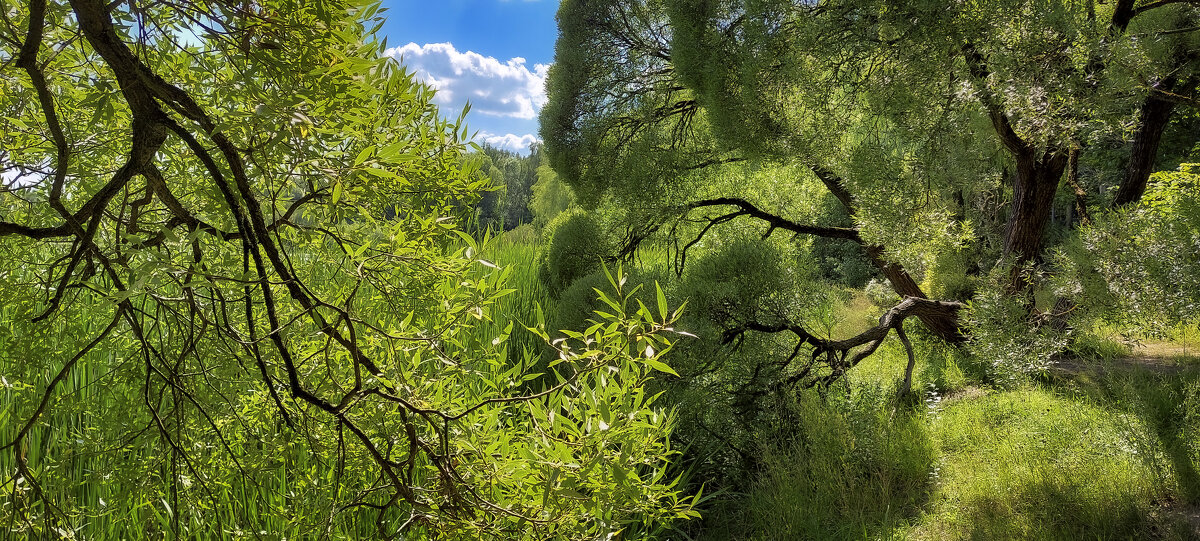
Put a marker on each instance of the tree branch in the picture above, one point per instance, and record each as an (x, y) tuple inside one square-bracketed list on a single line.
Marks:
[(746, 208), (977, 67)]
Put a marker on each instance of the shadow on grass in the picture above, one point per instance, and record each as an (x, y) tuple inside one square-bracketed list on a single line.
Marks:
[(850, 467), (1053, 508), (1167, 404), (1048, 463)]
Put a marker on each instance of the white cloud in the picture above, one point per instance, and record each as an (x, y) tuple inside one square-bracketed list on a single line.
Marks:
[(509, 141), (494, 88)]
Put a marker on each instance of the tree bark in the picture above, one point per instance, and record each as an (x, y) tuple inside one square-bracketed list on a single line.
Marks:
[(1034, 188), (1156, 114), (943, 325)]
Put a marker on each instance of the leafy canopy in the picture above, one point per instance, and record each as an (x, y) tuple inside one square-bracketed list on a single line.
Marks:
[(233, 277)]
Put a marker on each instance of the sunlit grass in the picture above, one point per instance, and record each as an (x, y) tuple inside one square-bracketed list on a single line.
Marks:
[(1030, 463)]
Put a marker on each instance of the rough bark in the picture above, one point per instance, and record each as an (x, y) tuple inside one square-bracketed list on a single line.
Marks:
[(1034, 187), (1036, 181), (1081, 207), (1155, 115)]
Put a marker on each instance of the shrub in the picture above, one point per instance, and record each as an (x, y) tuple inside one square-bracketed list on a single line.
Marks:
[(576, 246), (745, 280), (1007, 352), (881, 293), (1150, 276)]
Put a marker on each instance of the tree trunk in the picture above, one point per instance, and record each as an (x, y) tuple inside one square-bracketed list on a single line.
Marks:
[(1034, 187), (1156, 114), (943, 325)]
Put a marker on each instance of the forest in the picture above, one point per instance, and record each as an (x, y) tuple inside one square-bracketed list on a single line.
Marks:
[(778, 270)]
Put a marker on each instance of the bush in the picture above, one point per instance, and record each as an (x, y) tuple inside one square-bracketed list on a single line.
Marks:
[(1149, 278), (576, 246), (1009, 338), (947, 276), (523, 234), (840, 468), (745, 280)]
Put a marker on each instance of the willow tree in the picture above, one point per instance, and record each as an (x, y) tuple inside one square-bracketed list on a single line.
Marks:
[(938, 127), (236, 300)]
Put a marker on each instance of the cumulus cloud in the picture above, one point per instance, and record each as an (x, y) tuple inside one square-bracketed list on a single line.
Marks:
[(509, 141), (494, 88)]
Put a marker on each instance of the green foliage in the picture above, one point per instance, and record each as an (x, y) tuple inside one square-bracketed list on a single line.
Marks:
[(733, 284), (507, 201), (743, 279), (881, 293), (1027, 463), (846, 469), (239, 300), (577, 305), (550, 196), (1007, 341), (576, 245), (1139, 266), (948, 276)]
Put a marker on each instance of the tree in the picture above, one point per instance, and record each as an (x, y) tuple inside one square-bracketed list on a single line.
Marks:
[(937, 127), (512, 177), (550, 196), (232, 266)]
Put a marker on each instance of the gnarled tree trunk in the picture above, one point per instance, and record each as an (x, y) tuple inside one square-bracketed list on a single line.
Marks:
[(1034, 187), (1155, 115)]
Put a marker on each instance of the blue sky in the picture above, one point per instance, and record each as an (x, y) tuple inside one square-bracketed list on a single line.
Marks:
[(494, 53)]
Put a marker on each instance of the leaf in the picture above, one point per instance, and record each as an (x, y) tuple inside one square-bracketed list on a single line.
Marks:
[(363, 155), (662, 301), (661, 366), (550, 480), (337, 191), (381, 173)]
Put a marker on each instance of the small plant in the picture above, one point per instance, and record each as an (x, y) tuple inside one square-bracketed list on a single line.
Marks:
[(1008, 338)]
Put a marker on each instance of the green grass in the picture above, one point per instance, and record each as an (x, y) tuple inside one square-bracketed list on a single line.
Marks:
[(1108, 455), (853, 470), (1031, 463)]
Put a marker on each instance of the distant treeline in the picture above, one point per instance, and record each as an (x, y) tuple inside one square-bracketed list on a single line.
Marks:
[(522, 190)]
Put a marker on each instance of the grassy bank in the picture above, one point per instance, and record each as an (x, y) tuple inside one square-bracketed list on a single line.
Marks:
[(1106, 454)]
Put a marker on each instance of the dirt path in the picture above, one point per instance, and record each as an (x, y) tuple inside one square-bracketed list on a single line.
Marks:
[(1157, 357)]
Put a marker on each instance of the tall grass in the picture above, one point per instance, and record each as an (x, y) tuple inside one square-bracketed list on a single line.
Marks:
[(1030, 463), (851, 469)]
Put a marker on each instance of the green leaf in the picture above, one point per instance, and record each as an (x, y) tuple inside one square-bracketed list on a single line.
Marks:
[(660, 366), (662, 301), (363, 155), (381, 173)]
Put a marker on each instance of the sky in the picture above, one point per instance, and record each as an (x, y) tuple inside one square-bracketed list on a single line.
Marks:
[(492, 53)]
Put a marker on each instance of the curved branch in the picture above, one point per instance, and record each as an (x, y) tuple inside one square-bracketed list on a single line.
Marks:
[(746, 208), (977, 67), (839, 356)]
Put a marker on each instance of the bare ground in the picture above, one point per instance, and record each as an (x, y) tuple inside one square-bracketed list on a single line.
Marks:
[(1158, 357)]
